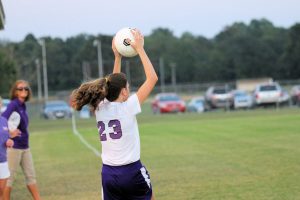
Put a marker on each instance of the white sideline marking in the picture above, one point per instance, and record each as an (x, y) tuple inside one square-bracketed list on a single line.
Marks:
[(75, 131)]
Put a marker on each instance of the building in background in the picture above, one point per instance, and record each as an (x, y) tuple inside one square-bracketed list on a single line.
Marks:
[(250, 84)]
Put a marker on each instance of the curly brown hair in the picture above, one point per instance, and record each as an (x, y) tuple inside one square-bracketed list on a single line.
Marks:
[(93, 92)]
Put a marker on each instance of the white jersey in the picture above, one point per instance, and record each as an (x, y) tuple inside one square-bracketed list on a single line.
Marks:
[(118, 131)]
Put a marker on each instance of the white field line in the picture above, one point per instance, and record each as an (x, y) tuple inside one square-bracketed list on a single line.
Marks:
[(76, 132)]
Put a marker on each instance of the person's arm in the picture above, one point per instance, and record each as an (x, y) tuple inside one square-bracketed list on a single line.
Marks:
[(151, 76), (14, 133), (11, 107), (118, 58)]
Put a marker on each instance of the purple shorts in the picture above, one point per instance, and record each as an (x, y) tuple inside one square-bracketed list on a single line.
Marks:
[(127, 182)]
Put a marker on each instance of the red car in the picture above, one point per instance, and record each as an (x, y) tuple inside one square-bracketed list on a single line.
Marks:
[(168, 103)]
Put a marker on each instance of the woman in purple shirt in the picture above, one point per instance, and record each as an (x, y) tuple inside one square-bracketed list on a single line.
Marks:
[(4, 143), (20, 153)]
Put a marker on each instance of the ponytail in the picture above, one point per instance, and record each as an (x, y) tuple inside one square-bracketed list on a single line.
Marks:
[(91, 93)]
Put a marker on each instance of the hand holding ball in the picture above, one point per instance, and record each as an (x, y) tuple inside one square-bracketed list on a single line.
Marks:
[(122, 42)]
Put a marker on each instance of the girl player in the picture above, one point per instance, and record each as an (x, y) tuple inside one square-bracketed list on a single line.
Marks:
[(123, 175)]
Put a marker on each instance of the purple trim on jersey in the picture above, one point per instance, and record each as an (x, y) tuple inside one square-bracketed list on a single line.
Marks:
[(4, 135), (127, 182), (20, 142)]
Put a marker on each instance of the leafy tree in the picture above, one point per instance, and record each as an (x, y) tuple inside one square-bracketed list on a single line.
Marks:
[(248, 51), (290, 65), (257, 49), (8, 74)]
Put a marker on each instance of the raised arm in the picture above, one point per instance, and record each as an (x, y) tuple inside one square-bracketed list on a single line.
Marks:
[(151, 77), (118, 58)]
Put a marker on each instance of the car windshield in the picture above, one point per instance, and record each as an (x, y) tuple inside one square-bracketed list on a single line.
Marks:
[(268, 88), (169, 98), (219, 91), (240, 94), (55, 105)]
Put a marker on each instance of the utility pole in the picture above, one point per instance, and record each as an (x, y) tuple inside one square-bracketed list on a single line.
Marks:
[(39, 80), (162, 74), (227, 99), (97, 43), (86, 71), (173, 72), (42, 43)]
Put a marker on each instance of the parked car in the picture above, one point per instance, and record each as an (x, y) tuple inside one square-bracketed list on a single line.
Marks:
[(267, 93), (197, 104), (295, 95), (5, 102), (56, 110), (168, 103), (241, 99), (218, 97)]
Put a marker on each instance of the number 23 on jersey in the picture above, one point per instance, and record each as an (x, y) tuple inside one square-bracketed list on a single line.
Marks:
[(115, 125)]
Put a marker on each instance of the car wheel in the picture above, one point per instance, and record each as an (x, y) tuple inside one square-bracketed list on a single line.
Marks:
[(208, 107)]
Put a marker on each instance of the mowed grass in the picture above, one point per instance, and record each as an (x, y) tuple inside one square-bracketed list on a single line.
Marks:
[(238, 155)]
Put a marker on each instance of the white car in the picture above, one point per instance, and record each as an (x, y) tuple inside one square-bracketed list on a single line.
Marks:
[(268, 93)]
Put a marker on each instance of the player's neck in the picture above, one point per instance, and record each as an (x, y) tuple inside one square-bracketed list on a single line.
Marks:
[(120, 99)]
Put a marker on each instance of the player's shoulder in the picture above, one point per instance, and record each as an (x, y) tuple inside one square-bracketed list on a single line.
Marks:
[(133, 96), (14, 103)]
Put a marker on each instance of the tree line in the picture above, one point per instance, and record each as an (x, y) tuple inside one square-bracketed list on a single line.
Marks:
[(257, 49)]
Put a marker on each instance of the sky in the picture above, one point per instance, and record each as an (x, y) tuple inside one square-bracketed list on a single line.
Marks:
[(67, 18)]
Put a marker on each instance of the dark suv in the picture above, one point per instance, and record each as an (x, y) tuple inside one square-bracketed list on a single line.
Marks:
[(218, 97), (295, 95)]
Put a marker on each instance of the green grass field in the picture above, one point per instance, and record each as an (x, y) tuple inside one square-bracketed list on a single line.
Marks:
[(215, 156)]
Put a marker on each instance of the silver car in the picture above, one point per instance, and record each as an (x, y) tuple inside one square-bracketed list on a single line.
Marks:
[(218, 97)]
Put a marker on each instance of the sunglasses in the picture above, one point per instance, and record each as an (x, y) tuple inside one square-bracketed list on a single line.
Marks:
[(22, 88)]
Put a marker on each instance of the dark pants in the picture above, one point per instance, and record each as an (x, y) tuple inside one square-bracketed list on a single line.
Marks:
[(127, 182)]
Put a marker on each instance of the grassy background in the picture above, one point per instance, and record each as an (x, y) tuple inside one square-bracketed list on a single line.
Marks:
[(237, 155)]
